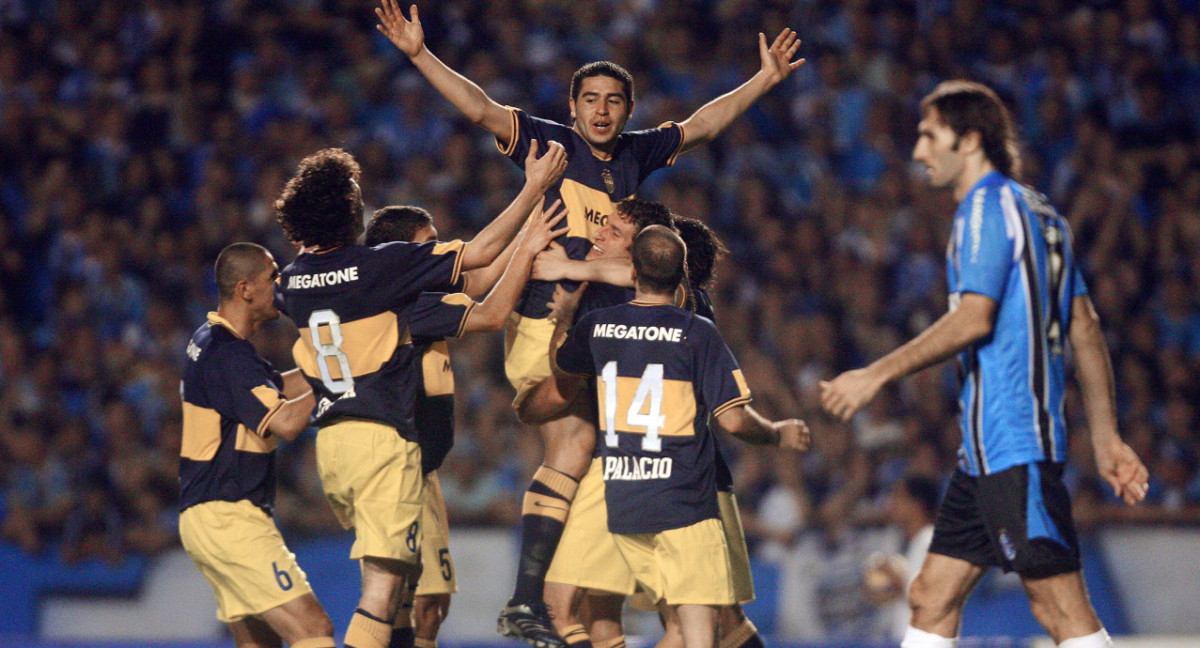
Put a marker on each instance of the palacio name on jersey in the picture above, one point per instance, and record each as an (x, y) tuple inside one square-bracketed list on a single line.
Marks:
[(623, 332), (322, 279), (637, 468)]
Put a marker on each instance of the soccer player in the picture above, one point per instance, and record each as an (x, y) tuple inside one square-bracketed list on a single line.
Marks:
[(358, 309), (1017, 298), (235, 407), (434, 417), (660, 371), (605, 166)]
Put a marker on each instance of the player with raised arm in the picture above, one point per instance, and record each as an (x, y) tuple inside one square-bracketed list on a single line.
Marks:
[(1017, 297), (606, 165), (235, 407), (660, 370), (358, 309)]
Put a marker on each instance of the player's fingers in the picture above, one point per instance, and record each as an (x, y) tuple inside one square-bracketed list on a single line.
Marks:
[(797, 63), (780, 38), (413, 17), (533, 149)]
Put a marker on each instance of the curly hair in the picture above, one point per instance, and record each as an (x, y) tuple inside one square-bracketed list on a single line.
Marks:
[(322, 205), (704, 249), (644, 213)]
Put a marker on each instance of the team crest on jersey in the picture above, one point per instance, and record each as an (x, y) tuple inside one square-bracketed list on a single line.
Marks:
[(1006, 545), (609, 184)]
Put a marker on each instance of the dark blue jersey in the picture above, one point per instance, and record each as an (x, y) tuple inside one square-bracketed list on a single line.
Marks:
[(434, 412), (229, 396), (358, 310), (661, 370), (590, 187)]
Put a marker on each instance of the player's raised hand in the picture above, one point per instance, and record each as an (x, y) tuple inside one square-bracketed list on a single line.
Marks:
[(793, 434), (1120, 466), (777, 61), (564, 303), (541, 172), (407, 35), (550, 264), (542, 223), (846, 394)]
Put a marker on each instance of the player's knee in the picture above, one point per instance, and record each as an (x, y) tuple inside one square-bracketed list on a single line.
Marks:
[(929, 601)]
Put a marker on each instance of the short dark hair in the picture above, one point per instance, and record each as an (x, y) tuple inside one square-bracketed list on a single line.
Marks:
[(967, 106), (320, 205), (602, 68), (396, 223), (644, 213), (704, 249), (658, 258), (238, 262)]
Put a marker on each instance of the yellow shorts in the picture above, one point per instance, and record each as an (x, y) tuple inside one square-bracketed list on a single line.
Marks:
[(372, 479), (527, 352), (739, 555), (238, 549), (437, 568), (687, 566), (587, 554)]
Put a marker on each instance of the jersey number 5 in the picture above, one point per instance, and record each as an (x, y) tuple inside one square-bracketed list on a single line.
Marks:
[(650, 387), (331, 349)]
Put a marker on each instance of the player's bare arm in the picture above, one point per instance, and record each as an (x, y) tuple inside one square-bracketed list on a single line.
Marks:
[(294, 384), (972, 320), (1117, 463), (715, 116), (493, 311), (553, 264), (745, 423), (540, 173), (293, 416), (409, 37)]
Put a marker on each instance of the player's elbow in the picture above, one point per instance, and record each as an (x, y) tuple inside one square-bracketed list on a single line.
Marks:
[(484, 319)]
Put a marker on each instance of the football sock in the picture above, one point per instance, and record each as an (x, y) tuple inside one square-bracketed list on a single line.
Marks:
[(615, 642), (1094, 640), (543, 514), (576, 636), (367, 631), (425, 643), (914, 638), (403, 633), (743, 636), (315, 642)]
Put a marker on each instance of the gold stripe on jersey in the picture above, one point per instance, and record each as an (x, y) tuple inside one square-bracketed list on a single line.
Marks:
[(588, 209), (460, 299), (368, 343), (508, 148), (740, 379), (273, 401), (249, 441), (201, 432), (682, 139), (447, 247), (678, 406), (725, 407), (435, 365)]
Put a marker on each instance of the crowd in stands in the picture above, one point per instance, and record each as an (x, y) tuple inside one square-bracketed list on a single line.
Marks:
[(139, 138)]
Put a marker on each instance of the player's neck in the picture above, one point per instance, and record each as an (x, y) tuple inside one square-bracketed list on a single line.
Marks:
[(605, 152), (643, 297), (974, 169), (238, 316)]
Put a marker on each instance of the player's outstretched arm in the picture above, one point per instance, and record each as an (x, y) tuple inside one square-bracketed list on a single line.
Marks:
[(493, 311), (540, 173), (951, 333), (409, 37), (748, 425), (479, 281), (553, 264), (1118, 464), (715, 116), (293, 416)]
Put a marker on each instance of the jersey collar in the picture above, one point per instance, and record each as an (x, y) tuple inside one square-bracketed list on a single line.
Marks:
[(213, 318)]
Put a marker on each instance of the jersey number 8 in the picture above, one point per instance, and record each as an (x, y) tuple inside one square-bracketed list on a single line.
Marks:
[(331, 349)]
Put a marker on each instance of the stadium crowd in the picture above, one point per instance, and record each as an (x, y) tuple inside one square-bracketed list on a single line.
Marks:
[(139, 138)]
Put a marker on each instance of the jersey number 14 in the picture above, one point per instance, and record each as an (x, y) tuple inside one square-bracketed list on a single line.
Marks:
[(650, 388)]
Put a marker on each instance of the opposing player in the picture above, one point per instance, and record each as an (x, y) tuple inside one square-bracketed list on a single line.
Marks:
[(434, 417), (605, 166), (235, 407), (358, 308), (660, 370), (1018, 297)]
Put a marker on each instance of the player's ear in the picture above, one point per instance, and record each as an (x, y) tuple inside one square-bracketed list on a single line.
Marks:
[(571, 104), (970, 142)]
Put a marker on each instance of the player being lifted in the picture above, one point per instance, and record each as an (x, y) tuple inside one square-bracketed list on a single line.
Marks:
[(357, 309), (660, 371), (605, 165)]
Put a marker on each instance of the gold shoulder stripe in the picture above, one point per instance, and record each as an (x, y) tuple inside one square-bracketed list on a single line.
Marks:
[(741, 382), (740, 400), (678, 149), (456, 247), (507, 149), (460, 299), (273, 401)]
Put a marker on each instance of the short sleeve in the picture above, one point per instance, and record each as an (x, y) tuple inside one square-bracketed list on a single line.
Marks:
[(655, 148), (720, 380), (439, 315), (409, 268), (989, 243), (574, 356), (252, 390), (526, 128)]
